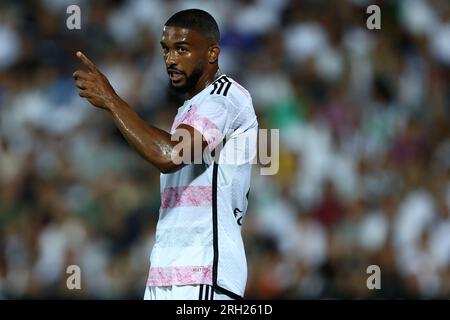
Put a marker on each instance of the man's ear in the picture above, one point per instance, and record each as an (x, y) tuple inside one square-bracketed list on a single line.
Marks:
[(213, 53)]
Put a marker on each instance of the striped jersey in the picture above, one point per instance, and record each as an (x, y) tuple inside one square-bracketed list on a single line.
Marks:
[(198, 235)]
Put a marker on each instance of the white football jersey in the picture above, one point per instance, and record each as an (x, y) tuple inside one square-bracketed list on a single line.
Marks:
[(198, 235)]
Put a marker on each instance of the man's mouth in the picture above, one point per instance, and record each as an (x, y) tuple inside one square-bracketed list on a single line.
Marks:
[(175, 75)]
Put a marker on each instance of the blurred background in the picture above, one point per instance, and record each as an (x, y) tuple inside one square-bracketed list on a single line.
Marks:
[(364, 151)]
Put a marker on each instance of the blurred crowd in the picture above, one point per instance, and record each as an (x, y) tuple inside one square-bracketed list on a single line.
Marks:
[(364, 119)]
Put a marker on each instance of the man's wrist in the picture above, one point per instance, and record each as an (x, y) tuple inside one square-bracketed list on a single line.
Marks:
[(114, 103)]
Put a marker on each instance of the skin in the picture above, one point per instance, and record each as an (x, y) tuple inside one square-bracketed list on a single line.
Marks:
[(185, 53)]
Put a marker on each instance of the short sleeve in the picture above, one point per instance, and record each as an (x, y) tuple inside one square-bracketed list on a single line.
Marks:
[(211, 118)]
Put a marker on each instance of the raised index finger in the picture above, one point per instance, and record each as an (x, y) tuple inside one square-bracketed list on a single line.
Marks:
[(88, 63)]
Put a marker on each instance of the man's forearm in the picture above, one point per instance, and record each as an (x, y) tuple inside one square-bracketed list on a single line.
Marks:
[(153, 144)]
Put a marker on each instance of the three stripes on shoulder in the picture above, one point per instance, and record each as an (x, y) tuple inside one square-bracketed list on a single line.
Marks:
[(221, 86)]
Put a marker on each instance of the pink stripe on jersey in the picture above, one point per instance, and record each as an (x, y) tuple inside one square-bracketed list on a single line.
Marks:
[(182, 118), (178, 276), (209, 130), (190, 196)]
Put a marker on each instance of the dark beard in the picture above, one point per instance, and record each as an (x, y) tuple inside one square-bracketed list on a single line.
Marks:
[(191, 82)]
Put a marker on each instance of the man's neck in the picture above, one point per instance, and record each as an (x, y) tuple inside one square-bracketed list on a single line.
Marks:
[(205, 80)]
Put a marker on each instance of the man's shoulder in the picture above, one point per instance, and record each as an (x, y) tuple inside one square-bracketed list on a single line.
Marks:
[(226, 88)]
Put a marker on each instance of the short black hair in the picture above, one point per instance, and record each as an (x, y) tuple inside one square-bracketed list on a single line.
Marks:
[(198, 20)]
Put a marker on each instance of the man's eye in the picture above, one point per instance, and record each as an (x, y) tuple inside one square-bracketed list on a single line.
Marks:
[(165, 50), (181, 49)]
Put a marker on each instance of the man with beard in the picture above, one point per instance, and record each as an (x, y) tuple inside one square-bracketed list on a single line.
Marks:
[(199, 251)]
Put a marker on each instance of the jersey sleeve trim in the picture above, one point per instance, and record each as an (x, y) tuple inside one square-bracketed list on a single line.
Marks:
[(209, 130)]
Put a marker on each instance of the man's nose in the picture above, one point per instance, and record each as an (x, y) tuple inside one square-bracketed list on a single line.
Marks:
[(170, 58)]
